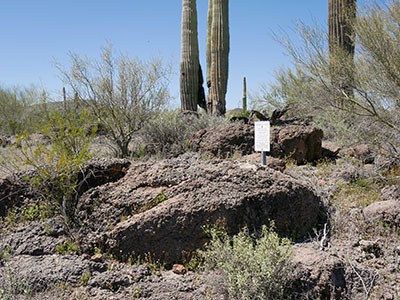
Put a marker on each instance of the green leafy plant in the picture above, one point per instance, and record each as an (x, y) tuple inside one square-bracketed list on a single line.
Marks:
[(58, 159), (161, 197), (67, 247), (252, 268), (85, 279)]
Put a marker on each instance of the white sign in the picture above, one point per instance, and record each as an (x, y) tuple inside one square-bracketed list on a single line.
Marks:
[(261, 136)]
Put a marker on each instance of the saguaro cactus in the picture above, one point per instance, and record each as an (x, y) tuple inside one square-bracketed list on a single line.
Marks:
[(189, 68), (244, 99), (341, 15), (217, 55)]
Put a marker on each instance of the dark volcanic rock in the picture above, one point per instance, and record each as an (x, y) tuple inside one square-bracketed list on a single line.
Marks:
[(194, 194), (318, 274), (54, 277), (224, 140), (35, 238), (15, 190), (300, 143), (384, 212), (102, 170), (37, 273), (390, 192)]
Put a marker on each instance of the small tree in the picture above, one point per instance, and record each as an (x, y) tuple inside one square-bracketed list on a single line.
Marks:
[(122, 93), (57, 157)]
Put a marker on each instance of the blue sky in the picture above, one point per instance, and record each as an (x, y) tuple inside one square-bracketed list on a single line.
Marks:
[(34, 33)]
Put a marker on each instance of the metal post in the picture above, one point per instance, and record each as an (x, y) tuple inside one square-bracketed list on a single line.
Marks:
[(264, 158)]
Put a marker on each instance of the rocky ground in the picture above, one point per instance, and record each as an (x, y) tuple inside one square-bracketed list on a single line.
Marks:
[(137, 223)]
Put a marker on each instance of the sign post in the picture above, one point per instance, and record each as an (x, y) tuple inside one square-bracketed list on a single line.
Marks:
[(262, 139)]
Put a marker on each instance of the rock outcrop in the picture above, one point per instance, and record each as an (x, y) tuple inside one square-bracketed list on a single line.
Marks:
[(224, 140), (298, 142), (15, 189), (318, 274), (162, 208)]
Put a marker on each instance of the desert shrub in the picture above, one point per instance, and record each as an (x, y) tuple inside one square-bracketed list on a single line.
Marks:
[(169, 131), (370, 112), (56, 158), (17, 109), (122, 93), (252, 268)]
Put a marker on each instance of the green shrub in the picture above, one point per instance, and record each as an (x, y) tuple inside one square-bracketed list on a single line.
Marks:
[(16, 109), (67, 247), (252, 268), (169, 131), (85, 279), (57, 159)]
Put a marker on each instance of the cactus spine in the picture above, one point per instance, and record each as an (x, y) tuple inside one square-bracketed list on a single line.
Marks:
[(341, 15), (189, 67), (217, 55)]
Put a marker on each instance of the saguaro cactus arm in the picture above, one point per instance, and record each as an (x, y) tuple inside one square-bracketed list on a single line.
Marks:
[(218, 55), (341, 15), (189, 67)]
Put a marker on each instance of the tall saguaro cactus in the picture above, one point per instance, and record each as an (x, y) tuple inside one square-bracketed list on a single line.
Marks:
[(341, 15), (189, 68), (217, 55)]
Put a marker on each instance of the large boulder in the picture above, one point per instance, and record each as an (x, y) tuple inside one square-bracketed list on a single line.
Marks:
[(298, 142), (384, 212), (317, 274), (13, 192), (163, 208), (224, 140)]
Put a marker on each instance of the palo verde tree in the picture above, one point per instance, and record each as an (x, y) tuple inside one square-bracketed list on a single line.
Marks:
[(217, 55), (341, 17), (191, 77), (122, 93), (371, 113)]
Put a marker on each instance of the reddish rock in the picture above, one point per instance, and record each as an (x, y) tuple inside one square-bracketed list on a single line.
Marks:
[(224, 140), (362, 152), (300, 143), (179, 269), (97, 257)]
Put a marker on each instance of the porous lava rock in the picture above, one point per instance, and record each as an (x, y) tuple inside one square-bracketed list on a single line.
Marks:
[(15, 189), (162, 208), (317, 274), (224, 140), (301, 143), (298, 142)]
